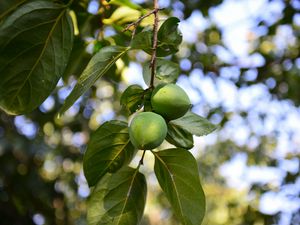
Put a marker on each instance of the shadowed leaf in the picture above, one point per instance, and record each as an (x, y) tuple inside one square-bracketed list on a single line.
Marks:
[(177, 173), (35, 44), (179, 137), (194, 124), (132, 98), (166, 72), (108, 150)]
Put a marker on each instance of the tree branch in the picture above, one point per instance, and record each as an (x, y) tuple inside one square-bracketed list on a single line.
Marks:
[(154, 46), (135, 24)]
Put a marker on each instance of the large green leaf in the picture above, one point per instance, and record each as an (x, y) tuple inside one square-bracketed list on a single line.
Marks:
[(177, 173), (194, 124), (35, 44), (179, 137), (166, 72), (132, 98), (7, 7), (118, 199), (108, 150), (96, 68)]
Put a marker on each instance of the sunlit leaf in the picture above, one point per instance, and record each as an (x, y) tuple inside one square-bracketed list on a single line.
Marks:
[(179, 137), (35, 44), (123, 14), (127, 3), (118, 199), (108, 150), (194, 124), (177, 174), (96, 68)]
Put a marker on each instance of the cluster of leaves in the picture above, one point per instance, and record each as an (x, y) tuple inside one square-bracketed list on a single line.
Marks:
[(18, 204), (119, 196), (119, 193)]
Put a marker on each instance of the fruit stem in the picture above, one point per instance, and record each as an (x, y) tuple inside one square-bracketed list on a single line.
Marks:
[(154, 46), (142, 159)]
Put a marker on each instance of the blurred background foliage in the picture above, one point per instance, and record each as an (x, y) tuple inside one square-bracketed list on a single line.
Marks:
[(240, 65)]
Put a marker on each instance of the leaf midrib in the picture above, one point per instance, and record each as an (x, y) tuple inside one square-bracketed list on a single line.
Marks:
[(11, 9), (39, 58), (173, 182), (127, 195), (101, 72), (28, 49)]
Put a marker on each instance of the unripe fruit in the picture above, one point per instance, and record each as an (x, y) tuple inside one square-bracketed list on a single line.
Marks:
[(170, 101), (147, 130)]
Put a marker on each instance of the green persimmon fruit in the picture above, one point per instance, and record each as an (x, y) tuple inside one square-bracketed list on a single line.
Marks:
[(170, 101), (147, 130)]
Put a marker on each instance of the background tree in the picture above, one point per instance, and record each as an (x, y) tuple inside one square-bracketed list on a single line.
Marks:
[(239, 63)]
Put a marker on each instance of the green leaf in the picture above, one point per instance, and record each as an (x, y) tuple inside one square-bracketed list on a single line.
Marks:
[(35, 44), (118, 199), (123, 14), (6, 7), (166, 72), (125, 3), (194, 124), (108, 150), (132, 98), (179, 137), (169, 37), (143, 40), (96, 68), (177, 173)]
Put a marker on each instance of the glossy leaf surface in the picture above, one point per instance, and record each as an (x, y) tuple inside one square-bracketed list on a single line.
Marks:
[(35, 44), (177, 173), (108, 150), (194, 124), (118, 199)]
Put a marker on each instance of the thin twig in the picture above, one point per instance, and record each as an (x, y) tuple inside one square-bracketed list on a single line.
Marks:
[(136, 23), (154, 47), (142, 159)]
